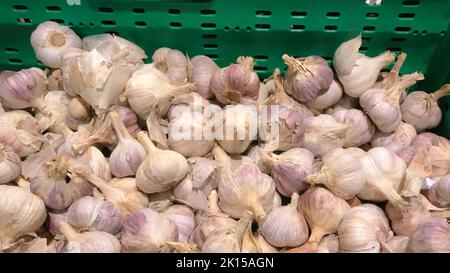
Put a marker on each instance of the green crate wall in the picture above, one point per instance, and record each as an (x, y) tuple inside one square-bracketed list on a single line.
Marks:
[(264, 29)]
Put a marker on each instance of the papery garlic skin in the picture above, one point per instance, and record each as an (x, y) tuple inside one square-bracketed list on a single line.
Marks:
[(439, 194), (77, 113), (21, 212), (432, 236), (396, 244), (51, 114), (9, 164), (440, 157), (147, 231), (203, 69), (183, 218), (50, 41), (403, 134), (327, 99), (97, 162), (405, 221)]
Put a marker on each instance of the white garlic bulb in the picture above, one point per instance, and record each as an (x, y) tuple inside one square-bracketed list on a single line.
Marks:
[(50, 41), (173, 63), (403, 134), (183, 218), (285, 226), (327, 99), (9, 164), (202, 70)]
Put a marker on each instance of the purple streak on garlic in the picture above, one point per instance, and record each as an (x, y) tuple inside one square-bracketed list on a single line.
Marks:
[(327, 99), (129, 119), (183, 218), (203, 69), (9, 164), (432, 236)]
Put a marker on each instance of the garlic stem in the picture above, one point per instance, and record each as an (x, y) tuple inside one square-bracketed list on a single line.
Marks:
[(258, 211), (294, 200), (119, 127), (221, 156), (213, 205), (149, 147), (242, 224), (399, 63), (320, 177), (120, 55), (443, 91), (23, 183), (316, 235), (89, 176), (392, 195), (68, 232), (441, 214), (181, 247), (100, 135), (246, 61)]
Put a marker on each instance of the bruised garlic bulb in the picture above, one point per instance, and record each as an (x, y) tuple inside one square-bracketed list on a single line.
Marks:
[(432, 236), (50, 41), (89, 242), (383, 105), (21, 212), (203, 69), (307, 78), (384, 172), (51, 114), (78, 113), (235, 83), (323, 133), (356, 71), (289, 169), (147, 231), (128, 155), (285, 226), (93, 214), (364, 228), (9, 164), (323, 212), (183, 218), (22, 89), (173, 63), (421, 110), (97, 162), (439, 194), (327, 99)]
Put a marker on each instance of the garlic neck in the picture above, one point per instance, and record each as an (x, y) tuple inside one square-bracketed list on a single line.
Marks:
[(246, 61), (145, 141), (213, 205), (384, 59), (221, 156), (258, 211), (318, 178), (399, 63), (119, 127), (89, 176), (243, 223), (443, 91), (3, 155), (316, 235), (69, 232), (294, 200)]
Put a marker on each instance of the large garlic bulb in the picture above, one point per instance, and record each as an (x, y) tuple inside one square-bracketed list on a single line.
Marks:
[(9, 164)]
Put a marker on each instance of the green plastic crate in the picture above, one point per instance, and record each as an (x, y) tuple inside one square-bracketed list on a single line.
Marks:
[(264, 29)]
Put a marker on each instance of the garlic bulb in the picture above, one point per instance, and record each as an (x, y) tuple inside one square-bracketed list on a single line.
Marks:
[(425, 140), (418, 170), (362, 129), (327, 99), (285, 226), (289, 169), (89, 242), (307, 78), (21, 212), (148, 88), (323, 133), (50, 41), (22, 89), (147, 231), (403, 135), (128, 155), (383, 105), (239, 129), (20, 132), (203, 69), (51, 114), (78, 113), (97, 162), (364, 228), (323, 212), (183, 218), (161, 170), (173, 63), (440, 157), (355, 71), (396, 244), (228, 240), (384, 172), (421, 110), (439, 194), (431, 236), (128, 118), (93, 214), (9, 164), (234, 83)]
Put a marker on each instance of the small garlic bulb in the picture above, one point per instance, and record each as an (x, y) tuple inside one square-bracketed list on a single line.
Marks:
[(290, 169), (50, 41), (147, 231), (128, 155), (285, 226), (78, 113), (22, 212), (183, 218), (173, 63), (364, 228), (51, 114), (323, 133), (323, 212), (22, 89), (93, 214), (327, 99), (439, 194), (9, 164), (89, 242), (432, 236), (421, 110), (161, 170), (384, 172), (97, 162), (203, 69), (307, 78), (235, 83), (356, 71)]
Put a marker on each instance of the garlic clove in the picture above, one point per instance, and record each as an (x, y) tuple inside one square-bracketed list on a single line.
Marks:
[(78, 113), (183, 218)]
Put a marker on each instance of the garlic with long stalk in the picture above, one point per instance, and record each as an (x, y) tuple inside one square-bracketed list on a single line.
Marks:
[(364, 228), (51, 114), (235, 83), (387, 79), (383, 105), (50, 41), (128, 155), (362, 129), (323, 212), (21, 212), (97, 162), (439, 194), (161, 170), (307, 78), (431, 236), (148, 231), (128, 118), (9, 164), (78, 113), (421, 109), (327, 99), (93, 214), (285, 226), (203, 69), (289, 169), (323, 133), (385, 172), (183, 218), (355, 71), (89, 242), (173, 63), (418, 170), (22, 89)]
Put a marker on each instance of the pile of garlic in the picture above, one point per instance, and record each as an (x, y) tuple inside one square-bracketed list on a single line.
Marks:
[(91, 162)]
